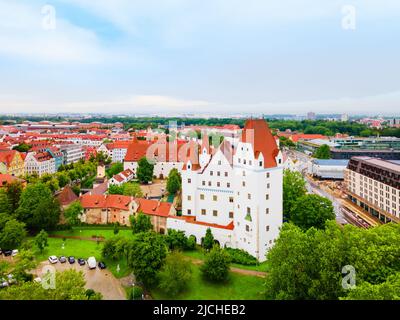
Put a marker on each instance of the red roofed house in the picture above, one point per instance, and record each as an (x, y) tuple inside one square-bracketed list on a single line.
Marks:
[(115, 150), (11, 162), (7, 179), (235, 191), (105, 209), (121, 178)]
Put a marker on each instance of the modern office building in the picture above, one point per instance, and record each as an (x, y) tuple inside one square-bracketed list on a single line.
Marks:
[(374, 185)]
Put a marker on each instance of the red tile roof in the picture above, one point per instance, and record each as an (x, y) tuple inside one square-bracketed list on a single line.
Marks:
[(66, 196), (257, 132), (6, 179), (106, 201), (303, 136), (154, 207), (137, 150), (7, 156)]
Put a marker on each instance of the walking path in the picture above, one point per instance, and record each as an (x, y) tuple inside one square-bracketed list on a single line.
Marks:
[(101, 239)]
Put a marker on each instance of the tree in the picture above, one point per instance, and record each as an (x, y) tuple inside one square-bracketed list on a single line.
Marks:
[(116, 229), (191, 243), (115, 248), (175, 274), (73, 212), (174, 181), (25, 262), (312, 210), (323, 152), (41, 240), (63, 179), (146, 255), (294, 187), (308, 264), (5, 206), (38, 208), (115, 189), (4, 218), (208, 241), (144, 171), (140, 223), (176, 239), (115, 169), (14, 191), (132, 190), (12, 234), (23, 147), (70, 285), (216, 265), (388, 290)]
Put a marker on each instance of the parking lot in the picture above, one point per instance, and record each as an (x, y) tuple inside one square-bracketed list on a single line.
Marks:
[(101, 281)]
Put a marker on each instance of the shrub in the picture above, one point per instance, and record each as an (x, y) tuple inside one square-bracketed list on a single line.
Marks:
[(175, 274), (216, 265), (191, 243), (241, 257), (135, 293)]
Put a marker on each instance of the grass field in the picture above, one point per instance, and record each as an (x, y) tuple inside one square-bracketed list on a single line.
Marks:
[(199, 254), (84, 232), (81, 249), (239, 287)]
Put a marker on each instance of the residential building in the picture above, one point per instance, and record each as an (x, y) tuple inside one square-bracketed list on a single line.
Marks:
[(116, 150), (237, 192), (72, 153), (40, 163), (121, 178), (12, 162), (374, 185)]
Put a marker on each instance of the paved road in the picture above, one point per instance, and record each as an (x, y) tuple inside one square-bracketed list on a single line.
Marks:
[(101, 281)]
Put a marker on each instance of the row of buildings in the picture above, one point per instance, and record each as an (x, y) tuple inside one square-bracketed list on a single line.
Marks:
[(235, 189)]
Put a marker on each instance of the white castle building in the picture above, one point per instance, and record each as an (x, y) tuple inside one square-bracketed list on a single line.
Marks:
[(235, 191)]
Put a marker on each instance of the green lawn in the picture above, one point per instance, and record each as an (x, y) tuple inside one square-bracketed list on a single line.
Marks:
[(199, 254), (81, 249), (239, 287), (85, 232)]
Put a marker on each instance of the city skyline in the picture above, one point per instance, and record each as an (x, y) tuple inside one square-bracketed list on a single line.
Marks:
[(179, 57)]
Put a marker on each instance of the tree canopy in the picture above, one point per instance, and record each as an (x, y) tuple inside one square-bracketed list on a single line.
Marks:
[(323, 152), (312, 210), (38, 208), (145, 170), (174, 181), (294, 187)]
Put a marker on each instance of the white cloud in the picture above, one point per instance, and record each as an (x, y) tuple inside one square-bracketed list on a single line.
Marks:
[(22, 35)]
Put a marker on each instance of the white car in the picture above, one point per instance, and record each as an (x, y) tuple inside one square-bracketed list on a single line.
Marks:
[(14, 253), (92, 263), (53, 259)]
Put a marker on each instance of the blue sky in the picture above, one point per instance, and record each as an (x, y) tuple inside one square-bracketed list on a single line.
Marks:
[(210, 56)]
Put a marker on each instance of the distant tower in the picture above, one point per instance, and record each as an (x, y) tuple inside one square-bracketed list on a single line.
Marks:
[(311, 116)]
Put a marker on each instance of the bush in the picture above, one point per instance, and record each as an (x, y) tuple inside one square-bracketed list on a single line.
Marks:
[(176, 240), (241, 257), (175, 274), (136, 293), (216, 265), (191, 243)]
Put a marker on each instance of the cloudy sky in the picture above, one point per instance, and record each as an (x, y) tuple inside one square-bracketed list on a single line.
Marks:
[(192, 56)]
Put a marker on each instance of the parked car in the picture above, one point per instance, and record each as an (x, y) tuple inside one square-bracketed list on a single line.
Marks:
[(7, 252), (38, 279), (1, 251), (62, 259), (81, 261), (71, 260), (92, 263), (102, 265), (53, 259), (14, 253)]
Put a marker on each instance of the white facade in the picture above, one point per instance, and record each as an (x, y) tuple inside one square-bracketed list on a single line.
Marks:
[(239, 197), (161, 169), (72, 153), (39, 167)]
